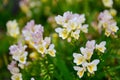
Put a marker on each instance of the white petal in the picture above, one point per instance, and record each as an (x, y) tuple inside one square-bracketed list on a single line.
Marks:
[(58, 30), (95, 61), (90, 44), (84, 28), (51, 46), (77, 68), (83, 50), (76, 54)]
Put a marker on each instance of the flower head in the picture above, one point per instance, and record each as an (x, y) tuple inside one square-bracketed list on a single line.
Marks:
[(71, 25), (51, 51), (101, 46), (108, 3), (80, 71), (17, 76), (83, 61), (12, 28), (108, 23), (12, 67), (33, 35), (92, 66), (18, 52), (86, 52), (78, 58)]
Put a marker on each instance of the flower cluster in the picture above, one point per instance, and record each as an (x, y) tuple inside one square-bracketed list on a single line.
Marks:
[(33, 35), (18, 54), (12, 28), (27, 5), (83, 60), (108, 23), (14, 70), (72, 25)]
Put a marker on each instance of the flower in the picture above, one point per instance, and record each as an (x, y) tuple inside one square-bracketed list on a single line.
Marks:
[(101, 46), (92, 66), (18, 52), (17, 76), (78, 58), (80, 71), (71, 25), (84, 28), (12, 28), (32, 78), (75, 34), (14, 70), (86, 52), (113, 12), (108, 3), (12, 67), (62, 32), (105, 16), (90, 44), (108, 23), (51, 51)]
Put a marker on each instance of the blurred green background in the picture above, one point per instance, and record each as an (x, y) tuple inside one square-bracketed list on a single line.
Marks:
[(43, 12)]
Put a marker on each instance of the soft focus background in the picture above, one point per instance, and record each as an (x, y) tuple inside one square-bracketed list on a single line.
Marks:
[(43, 12)]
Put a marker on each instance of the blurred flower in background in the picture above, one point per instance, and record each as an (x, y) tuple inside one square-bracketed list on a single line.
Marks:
[(13, 29)]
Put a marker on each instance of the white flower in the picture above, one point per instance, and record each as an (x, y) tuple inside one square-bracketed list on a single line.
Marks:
[(108, 3), (41, 48), (32, 78), (62, 32), (84, 28), (12, 28), (21, 65), (17, 76), (18, 52), (101, 46), (113, 12), (87, 52), (107, 32), (75, 34), (60, 20), (113, 27), (92, 66), (47, 40), (78, 58), (22, 58), (51, 51), (80, 71), (90, 44)]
